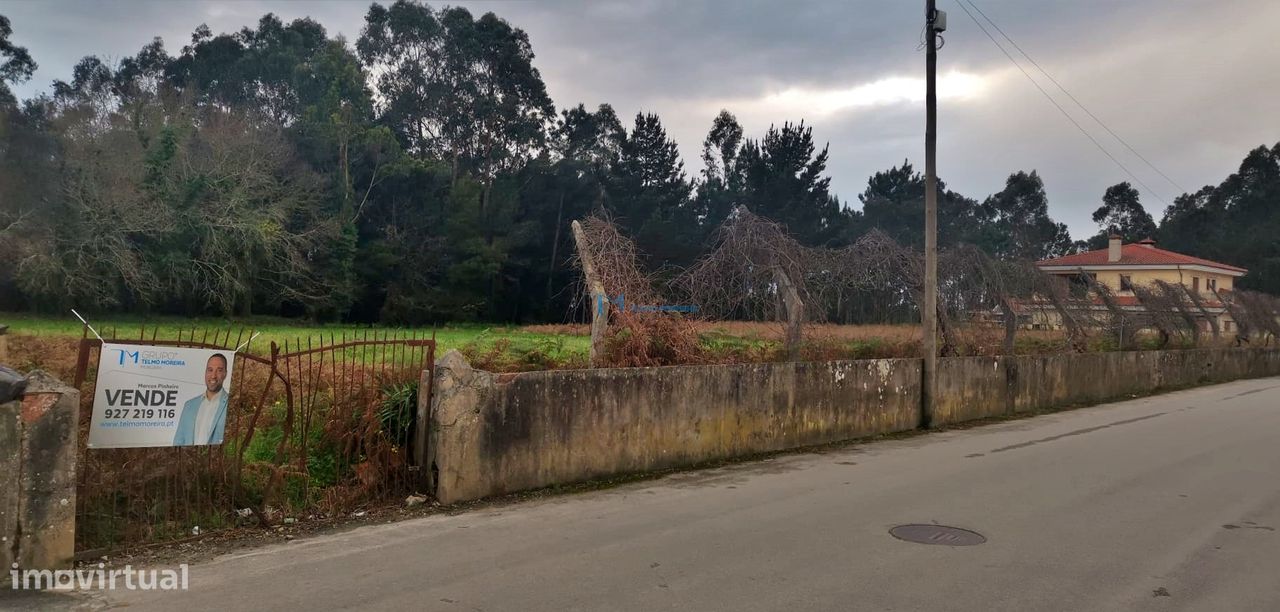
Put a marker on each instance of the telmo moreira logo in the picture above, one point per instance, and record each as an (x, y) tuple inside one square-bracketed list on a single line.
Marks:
[(151, 358)]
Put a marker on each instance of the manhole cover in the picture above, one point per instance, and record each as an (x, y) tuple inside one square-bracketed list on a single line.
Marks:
[(937, 534)]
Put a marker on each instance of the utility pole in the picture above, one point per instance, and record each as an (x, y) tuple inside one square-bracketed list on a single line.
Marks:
[(934, 23)]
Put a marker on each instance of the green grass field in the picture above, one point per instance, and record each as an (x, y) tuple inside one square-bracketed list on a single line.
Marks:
[(501, 348), (471, 338)]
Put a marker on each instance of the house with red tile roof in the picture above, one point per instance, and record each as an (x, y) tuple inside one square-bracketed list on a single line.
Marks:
[(1121, 267)]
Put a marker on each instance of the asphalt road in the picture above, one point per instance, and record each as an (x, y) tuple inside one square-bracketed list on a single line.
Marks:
[(1163, 503)]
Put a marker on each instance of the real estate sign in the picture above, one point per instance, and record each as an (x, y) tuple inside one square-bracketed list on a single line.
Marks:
[(160, 396)]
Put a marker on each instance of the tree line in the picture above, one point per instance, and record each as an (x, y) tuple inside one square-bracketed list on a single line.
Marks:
[(422, 174)]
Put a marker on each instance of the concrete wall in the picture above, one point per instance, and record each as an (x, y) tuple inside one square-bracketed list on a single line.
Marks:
[(38, 475), (493, 434), (489, 434), (979, 387)]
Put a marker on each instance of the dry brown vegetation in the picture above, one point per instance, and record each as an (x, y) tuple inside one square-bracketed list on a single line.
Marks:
[(634, 338), (343, 442), (756, 271)]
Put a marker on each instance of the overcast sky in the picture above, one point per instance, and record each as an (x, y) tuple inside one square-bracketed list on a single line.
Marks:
[(1192, 85)]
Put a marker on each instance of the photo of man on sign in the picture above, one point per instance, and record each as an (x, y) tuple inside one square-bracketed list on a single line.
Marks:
[(149, 396), (204, 416)]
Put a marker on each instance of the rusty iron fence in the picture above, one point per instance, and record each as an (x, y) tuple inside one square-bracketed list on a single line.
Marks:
[(315, 427)]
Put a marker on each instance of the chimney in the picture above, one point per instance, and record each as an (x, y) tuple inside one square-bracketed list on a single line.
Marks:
[(1150, 243), (1113, 248)]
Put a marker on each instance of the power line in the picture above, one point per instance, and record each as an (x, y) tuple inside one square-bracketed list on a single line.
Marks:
[(1073, 98), (1059, 106)]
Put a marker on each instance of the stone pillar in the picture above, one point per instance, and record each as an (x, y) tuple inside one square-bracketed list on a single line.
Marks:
[(38, 447), (795, 311), (455, 439), (10, 482), (422, 431), (4, 344), (599, 299)]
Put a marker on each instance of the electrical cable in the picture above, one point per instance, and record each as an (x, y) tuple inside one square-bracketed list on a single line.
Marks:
[(1073, 98), (1059, 107)]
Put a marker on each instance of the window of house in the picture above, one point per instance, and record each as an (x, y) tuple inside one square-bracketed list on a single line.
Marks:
[(1211, 284), (1126, 283), (1079, 285), (1195, 284)]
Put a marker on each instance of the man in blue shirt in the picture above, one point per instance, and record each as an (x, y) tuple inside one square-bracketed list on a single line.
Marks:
[(204, 416)]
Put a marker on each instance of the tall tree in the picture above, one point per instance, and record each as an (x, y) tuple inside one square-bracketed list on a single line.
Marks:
[(648, 193), (16, 148), (1122, 214), (16, 65), (30, 179), (720, 148), (593, 140), (1020, 214), (193, 212), (721, 187), (272, 69), (893, 202), (586, 147), (1235, 222), (294, 76), (463, 90), (457, 88), (782, 179)]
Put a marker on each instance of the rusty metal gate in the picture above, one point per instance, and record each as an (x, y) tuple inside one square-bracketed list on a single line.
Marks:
[(315, 427)]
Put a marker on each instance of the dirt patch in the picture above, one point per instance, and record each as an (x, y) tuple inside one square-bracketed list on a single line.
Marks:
[(224, 541), (53, 354)]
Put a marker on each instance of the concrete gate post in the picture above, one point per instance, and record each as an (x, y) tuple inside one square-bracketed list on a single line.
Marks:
[(38, 447), (599, 299)]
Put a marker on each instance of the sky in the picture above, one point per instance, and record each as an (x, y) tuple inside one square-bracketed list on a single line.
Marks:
[(1191, 85)]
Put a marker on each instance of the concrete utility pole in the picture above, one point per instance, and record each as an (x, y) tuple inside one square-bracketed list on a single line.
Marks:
[(929, 310), (599, 299), (795, 310)]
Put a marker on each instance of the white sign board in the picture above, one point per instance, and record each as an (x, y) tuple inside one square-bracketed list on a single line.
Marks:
[(160, 396)]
